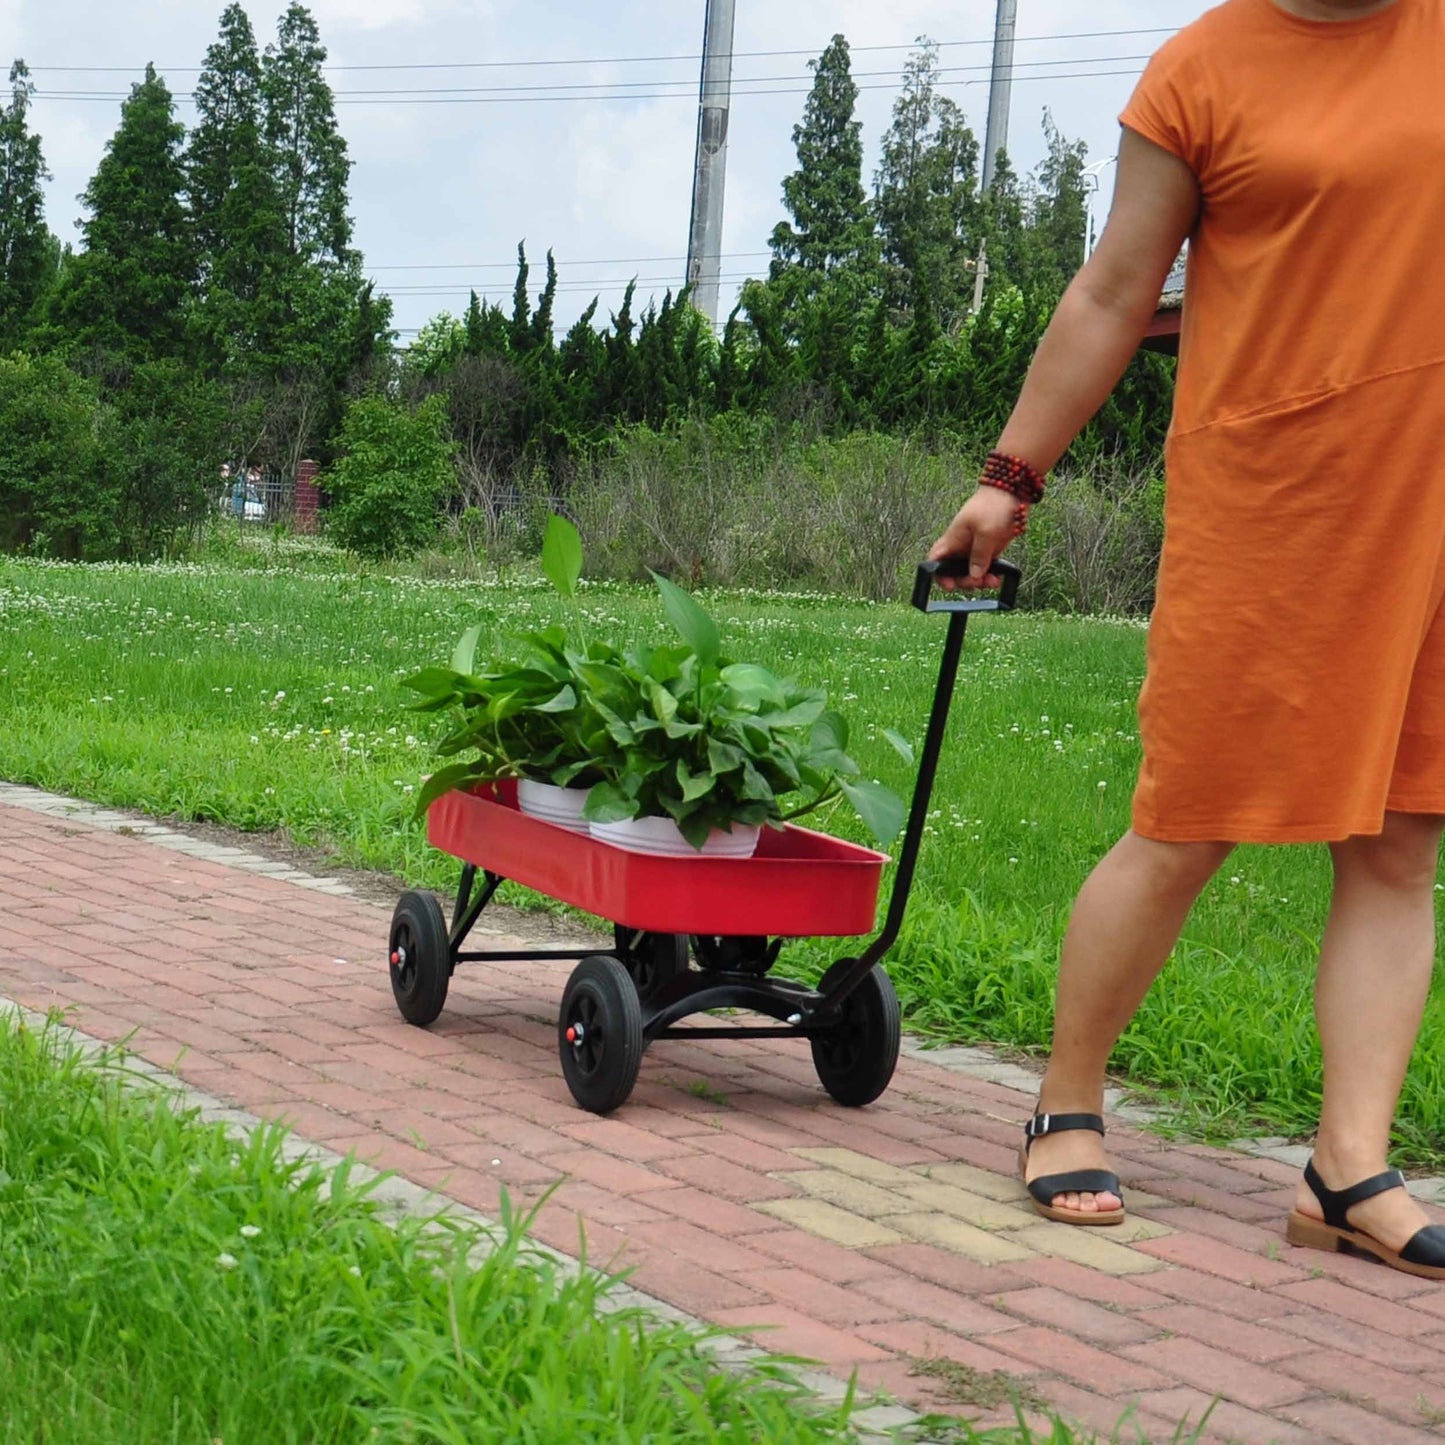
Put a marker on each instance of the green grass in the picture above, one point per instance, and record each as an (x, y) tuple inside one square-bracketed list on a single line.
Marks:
[(269, 698), (166, 1281)]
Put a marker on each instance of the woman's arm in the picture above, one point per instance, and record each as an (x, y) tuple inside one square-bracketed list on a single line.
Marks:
[(1091, 339)]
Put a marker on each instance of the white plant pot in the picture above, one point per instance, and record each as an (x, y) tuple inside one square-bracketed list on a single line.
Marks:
[(663, 838), (551, 804)]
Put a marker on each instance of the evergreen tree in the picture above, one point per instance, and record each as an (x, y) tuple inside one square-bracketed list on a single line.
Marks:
[(126, 293), (928, 215), (521, 303), (1060, 212), (307, 153), (234, 205), (830, 225), (28, 252), (226, 138)]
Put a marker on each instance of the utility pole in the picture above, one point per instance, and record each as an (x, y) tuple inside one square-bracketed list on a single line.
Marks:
[(1000, 91), (704, 245)]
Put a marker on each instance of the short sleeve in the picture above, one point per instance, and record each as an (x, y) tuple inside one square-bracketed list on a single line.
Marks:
[(1171, 106)]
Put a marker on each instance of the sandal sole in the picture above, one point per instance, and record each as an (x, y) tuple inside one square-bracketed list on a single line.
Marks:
[(1307, 1233)]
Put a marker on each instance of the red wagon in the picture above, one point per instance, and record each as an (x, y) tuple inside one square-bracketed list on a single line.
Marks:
[(728, 916)]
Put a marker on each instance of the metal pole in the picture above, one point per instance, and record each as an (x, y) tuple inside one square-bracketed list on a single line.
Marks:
[(704, 246), (1000, 92)]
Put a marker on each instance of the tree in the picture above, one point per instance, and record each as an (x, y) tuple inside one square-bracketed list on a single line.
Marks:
[(306, 151), (1060, 212), (925, 195), (234, 205), (126, 294), (29, 254), (830, 225), (395, 469)]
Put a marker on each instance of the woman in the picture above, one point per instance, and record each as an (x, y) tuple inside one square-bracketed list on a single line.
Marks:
[(1296, 680)]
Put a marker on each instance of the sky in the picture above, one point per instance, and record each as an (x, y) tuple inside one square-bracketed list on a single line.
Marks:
[(446, 183)]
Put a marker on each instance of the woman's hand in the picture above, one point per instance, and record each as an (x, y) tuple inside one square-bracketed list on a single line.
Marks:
[(979, 533)]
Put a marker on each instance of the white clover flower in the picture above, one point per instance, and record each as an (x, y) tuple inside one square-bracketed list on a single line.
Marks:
[(250, 1231), (226, 1261), (355, 1270)]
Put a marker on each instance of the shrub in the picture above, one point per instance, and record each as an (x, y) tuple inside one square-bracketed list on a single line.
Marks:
[(394, 471), (55, 499)]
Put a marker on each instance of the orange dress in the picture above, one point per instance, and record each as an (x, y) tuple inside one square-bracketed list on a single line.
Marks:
[(1296, 680)]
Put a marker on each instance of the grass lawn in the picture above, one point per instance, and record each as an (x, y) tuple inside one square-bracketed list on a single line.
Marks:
[(268, 697), (165, 1281)]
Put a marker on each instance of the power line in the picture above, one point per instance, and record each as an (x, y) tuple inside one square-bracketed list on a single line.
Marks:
[(426, 97), (619, 59), (512, 264)]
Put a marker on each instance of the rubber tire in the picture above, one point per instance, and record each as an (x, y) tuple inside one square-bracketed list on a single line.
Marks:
[(855, 1061), (602, 1070), (652, 960), (420, 985)]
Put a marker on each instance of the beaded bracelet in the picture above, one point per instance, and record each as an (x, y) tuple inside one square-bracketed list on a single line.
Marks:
[(1013, 475)]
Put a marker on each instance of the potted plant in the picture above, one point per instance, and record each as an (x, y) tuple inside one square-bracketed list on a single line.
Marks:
[(679, 749)]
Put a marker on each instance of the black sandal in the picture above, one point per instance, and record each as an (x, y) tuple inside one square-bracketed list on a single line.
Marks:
[(1423, 1254), (1079, 1181)]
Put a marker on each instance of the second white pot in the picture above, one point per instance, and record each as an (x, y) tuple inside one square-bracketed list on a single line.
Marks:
[(562, 806), (663, 838)]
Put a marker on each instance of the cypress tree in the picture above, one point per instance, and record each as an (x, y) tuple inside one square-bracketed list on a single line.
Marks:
[(127, 292), (830, 224), (29, 254)]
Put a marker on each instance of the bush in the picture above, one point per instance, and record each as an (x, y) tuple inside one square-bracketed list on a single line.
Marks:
[(55, 499), (396, 467)]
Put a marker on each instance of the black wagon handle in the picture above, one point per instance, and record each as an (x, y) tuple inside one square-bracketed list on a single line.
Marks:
[(959, 610), (958, 567)]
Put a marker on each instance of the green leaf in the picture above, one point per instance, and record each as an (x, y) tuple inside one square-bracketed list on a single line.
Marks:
[(435, 682), (562, 555), (693, 625), (753, 683), (443, 781), (607, 803), (724, 757), (694, 785), (900, 745), (464, 658), (564, 701), (881, 809)]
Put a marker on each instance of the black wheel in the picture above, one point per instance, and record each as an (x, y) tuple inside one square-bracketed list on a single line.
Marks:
[(855, 1060), (421, 958), (652, 959), (599, 1034)]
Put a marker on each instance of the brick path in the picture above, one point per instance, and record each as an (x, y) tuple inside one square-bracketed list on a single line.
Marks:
[(730, 1186)]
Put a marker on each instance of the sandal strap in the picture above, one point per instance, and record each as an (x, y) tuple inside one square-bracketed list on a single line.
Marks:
[(1337, 1203), (1078, 1181), (1042, 1124)]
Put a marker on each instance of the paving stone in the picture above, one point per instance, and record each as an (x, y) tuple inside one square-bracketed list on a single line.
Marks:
[(827, 1221)]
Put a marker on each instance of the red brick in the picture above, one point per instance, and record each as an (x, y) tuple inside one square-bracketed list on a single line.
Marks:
[(1119, 1423), (1194, 1287), (707, 1211), (783, 1331), (1214, 1257), (711, 1252), (1079, 1317), (939, 1306), (1230, 1422), (1255, 1342), (1333, 1331), (620, 1176), (1091, 1284), (1341, 1420), (951, 1271), (922, 1341), (1216, 1372), (830, 1303), (1098, 1370), (1397, 1394), (1330, 1295), (1248, 1208), (821, 1257), (740, 1185)]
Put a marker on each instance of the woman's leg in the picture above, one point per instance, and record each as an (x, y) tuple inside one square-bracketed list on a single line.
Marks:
[(1370, 992), (1124, 927)]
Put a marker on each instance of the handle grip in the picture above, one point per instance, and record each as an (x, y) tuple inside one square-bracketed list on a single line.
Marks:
[(931, 572)]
